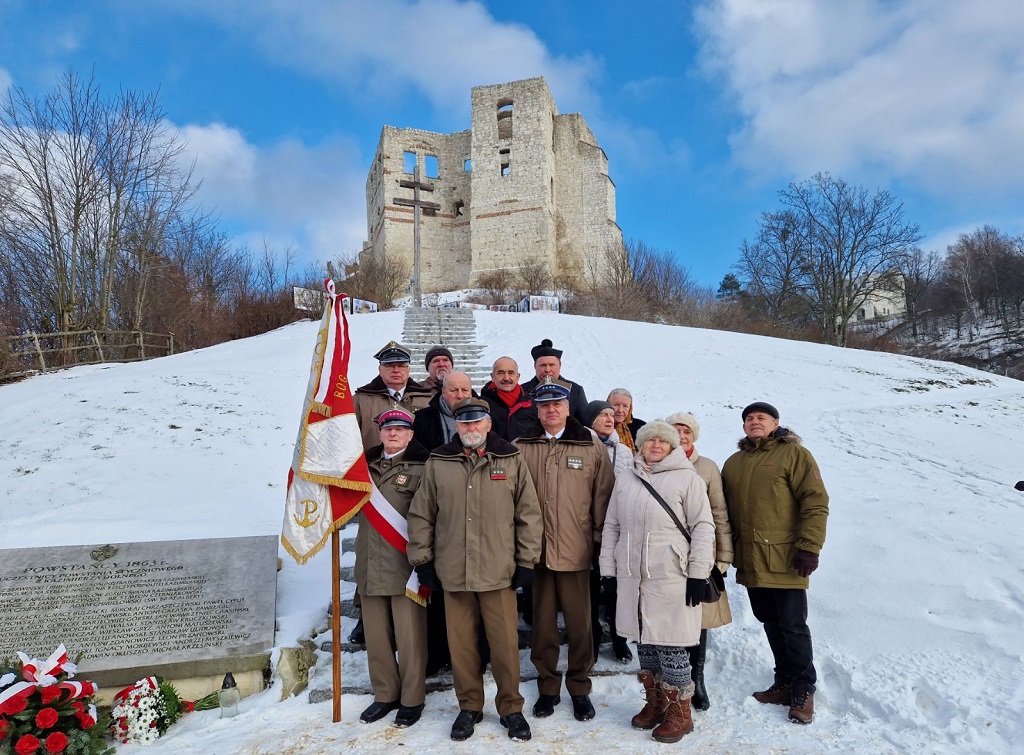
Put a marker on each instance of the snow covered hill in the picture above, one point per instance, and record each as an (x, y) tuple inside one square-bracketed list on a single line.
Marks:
[(916, 610)]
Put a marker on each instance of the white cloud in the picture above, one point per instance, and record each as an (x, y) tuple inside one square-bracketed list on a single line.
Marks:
[(927, 91), (311, 198), (6, 80), (383, 49)]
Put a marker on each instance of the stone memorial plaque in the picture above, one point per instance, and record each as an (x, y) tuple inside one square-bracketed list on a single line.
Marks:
[(176, 608)]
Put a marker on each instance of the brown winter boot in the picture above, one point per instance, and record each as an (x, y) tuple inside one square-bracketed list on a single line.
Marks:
[(654, 710), (777, 694), (801, 707), (678, 719)]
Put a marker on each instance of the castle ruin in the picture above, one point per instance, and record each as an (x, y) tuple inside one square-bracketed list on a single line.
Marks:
[(523, 187)]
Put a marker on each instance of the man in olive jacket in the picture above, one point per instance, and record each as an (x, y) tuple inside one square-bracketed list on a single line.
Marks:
[(393, 622), (475, 531), (574, 480), (778, 508)]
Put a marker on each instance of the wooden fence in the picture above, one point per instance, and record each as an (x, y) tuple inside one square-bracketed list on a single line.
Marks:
[(41, 352)]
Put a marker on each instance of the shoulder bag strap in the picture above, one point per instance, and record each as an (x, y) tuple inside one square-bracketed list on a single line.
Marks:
[(664, 505)]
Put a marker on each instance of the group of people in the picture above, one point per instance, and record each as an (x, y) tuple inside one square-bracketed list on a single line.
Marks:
[(529, 487)]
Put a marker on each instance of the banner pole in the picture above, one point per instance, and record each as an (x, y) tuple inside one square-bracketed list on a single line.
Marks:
[(336, 620)]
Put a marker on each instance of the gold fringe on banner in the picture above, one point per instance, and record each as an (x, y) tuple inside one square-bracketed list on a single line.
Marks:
[(322, 409)]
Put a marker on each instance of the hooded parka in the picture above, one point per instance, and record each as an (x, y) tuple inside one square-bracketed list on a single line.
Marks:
[(648, 555), (574, 481), (476, 517), (777, 504)]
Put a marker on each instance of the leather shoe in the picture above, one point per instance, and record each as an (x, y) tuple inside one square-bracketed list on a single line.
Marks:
[(621, 648), (545, 705), (465, 723), (518, 729), (582, 708), (358, 636), (377, 711), (408, 715)]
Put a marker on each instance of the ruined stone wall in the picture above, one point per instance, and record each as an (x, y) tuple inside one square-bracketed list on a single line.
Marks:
[(513, 217), (536, 191), (585, 200), (444, 235)]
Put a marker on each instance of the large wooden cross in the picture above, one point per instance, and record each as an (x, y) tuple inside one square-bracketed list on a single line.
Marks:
[(417, 205)]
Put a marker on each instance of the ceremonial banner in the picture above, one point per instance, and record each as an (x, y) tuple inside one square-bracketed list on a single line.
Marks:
[(328, 481)]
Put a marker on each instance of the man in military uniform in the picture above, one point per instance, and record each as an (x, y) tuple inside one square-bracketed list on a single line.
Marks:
[(574, 480), (391, 388), (475, 531), (393, 621)]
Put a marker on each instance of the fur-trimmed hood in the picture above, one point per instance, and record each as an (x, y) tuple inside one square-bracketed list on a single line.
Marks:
[(781, 435)]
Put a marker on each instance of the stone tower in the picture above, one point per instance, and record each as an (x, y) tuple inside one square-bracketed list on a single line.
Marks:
[(523, 186)]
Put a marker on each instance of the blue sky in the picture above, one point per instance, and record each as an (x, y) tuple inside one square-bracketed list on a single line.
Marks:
[(705, 109)]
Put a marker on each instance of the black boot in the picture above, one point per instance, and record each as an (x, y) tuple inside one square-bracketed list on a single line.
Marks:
[(358, 636), (697, 653)]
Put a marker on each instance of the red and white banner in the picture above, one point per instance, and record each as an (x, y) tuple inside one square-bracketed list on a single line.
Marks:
[(328, 481)]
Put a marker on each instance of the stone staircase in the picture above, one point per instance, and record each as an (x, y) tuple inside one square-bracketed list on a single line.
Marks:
[(452, 328)]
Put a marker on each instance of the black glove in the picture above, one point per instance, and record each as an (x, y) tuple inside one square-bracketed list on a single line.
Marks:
[(696, 589), (427, 576), (609, 584), (805, 562), (522, 578)]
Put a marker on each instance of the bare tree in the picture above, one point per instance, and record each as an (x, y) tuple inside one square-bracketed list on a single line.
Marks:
[(843, 244), (97, 188), (921, 272)]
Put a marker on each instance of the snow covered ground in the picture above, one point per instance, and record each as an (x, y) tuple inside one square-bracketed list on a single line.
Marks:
[(917, 609)]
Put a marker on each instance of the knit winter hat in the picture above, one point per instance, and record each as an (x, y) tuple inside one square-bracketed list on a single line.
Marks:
[(682, 418), (437, 351), (659, 428), (591, 410)]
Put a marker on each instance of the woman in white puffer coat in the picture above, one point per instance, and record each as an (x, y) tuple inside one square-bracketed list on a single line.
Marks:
[(661, 577)]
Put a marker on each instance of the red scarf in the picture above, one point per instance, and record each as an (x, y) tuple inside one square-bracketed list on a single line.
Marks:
[(509, 398)]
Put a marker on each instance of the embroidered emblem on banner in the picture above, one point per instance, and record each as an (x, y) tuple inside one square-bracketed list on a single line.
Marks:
[(574, 462), (498, 474)]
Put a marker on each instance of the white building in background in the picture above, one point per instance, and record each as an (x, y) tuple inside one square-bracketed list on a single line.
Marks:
[(884, 303)]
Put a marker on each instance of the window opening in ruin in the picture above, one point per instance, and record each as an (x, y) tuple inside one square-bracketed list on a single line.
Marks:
[(459, 208), (430, 165), (505, 160), (467, 165), (409, 162), (505, 108)]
